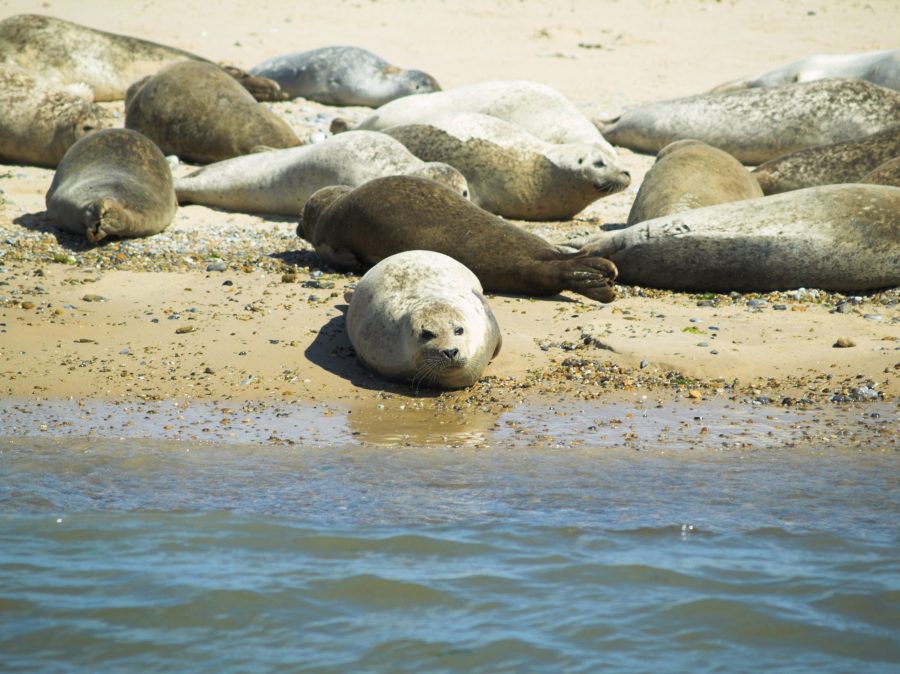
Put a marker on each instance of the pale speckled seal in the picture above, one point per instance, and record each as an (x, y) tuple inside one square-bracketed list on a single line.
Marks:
[(354, 229), (887, 173), (835, 237), (344, 76), (198, 112), (846, 162), (690, 174), (537, 108), (756, 125), (38, 122), (114, 182), (280, 181), (420, 316), (64, 53), (878, 67), (511, 172)]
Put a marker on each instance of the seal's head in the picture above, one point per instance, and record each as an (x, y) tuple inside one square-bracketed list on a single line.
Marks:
[(593, 163), (316, 205), (417, 82), (445, 175)]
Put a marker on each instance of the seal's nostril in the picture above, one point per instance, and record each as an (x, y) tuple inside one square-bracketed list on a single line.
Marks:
[(626, 174), (451, 353)]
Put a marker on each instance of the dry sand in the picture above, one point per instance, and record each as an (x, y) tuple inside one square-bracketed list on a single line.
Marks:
[(144, 320)]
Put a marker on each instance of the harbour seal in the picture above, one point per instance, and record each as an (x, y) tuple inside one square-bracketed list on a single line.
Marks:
[(114, 182), (38, 123), (886, 174), (834, 237), (536, 108), (420, 316), (511, 172), (344, 76), (756, 125), (845, 162), (355, 229), (878, 67), (65, 53), (280, 181), (690, 174), (196, 111)]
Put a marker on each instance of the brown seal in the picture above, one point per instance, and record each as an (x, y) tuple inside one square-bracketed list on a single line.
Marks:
[(690, 174), (198, 112), (114, 182), (354, 229)]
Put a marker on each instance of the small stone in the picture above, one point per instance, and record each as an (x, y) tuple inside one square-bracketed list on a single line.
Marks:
[(184, 329), (843, 308), (229, 282), (843, 343), (758, 304), (288, 278), (216, 265), (94, 298), (780, 307), (645, 364), (874, 317), (695, 394), (27, 305)]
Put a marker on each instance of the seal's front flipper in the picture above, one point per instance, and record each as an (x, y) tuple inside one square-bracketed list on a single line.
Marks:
[(592, 276)]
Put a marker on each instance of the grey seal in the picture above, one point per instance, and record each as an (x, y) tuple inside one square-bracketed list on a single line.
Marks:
[(114, 182), (39, 122), (835, 237), (756, 125), (887, 173), (690, 174), (196, 111), (845, 162), (878, 67), (511, 172), (65, 53), (344, 76), (421, 317), (352, 229), (281, 181)]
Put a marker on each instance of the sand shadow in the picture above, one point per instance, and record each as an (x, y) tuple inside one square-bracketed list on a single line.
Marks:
[(40, 222)]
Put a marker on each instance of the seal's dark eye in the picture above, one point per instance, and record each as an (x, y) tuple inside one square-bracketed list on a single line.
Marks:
[(458, 331), (426, 335), (580, 161)]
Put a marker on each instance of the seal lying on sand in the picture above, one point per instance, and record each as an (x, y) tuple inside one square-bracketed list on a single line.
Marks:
[(756, 125), (65, 53), (886, 174), (353, 229), (420, 316), (39, 123), (114, 182), (845, 162), (690, 174), (878, 67), (835, 237), (512, 173), (344, 76), (196, 111), (536, 108), (281, 181)]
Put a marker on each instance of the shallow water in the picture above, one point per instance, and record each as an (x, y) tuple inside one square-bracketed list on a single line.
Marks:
[(577, 555)]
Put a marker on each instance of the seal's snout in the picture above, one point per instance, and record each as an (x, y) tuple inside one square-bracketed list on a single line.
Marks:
[(451, 354)]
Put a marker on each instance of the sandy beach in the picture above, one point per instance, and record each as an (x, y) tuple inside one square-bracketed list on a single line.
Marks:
[(233, 307)]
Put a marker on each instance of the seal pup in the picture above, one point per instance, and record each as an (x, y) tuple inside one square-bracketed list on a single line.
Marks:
[(420, 316), (845, 162), (352, 229), (756, 125), (878, 67), (536, 108), (344, 76), (114, 182), (196, 111), (886, 174), (834, 237), (38, 122), (281, 181), (511, 172), (690, 174), (65, 53)]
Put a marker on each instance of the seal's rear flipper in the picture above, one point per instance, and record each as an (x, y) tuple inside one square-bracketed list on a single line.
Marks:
[(261, 88)]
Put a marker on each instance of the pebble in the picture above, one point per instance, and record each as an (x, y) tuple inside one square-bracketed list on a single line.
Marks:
[(757, 304), (844, 308), (844, 343), (216, 265), (873, 317), (94, 298)]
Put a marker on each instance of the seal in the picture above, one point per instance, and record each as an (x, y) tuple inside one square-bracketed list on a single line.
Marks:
[(196, 111), (344, 76), (511, 172), (114, 182), (38, 123), (878, 67), (834, 237), (281, 181), (420, 316), (845, 162), (353, 229), (756, 125), (63, 53), (690, 174), (886, 174), (536, 108)]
